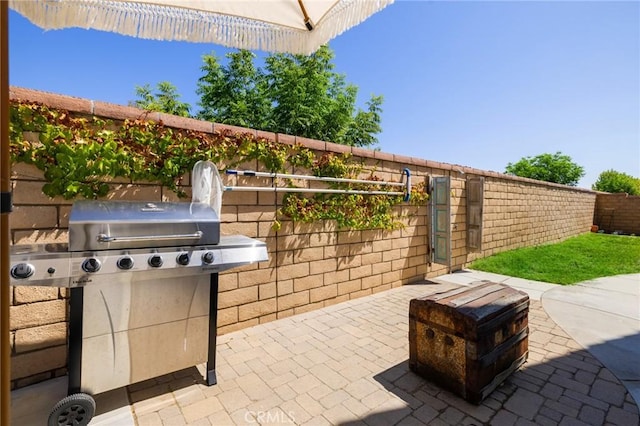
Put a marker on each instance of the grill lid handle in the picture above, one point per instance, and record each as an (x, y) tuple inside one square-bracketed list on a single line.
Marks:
[(104, 238)]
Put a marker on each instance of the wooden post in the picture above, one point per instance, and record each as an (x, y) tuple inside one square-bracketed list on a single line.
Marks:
[(5, 193)]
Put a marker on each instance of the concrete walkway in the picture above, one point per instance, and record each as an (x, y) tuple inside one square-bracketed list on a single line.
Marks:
[(603, 315), (347, 364)]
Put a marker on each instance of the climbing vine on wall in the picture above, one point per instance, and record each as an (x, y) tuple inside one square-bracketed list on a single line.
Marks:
[(78, 156)]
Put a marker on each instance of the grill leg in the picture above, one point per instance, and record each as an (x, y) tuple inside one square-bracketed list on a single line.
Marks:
[(75, 339), (213, 329)]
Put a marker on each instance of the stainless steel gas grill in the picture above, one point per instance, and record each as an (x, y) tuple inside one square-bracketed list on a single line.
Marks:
[(143, 279)]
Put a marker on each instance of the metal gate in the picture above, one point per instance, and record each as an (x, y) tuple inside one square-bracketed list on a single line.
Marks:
[(441, 220), (475, 198)]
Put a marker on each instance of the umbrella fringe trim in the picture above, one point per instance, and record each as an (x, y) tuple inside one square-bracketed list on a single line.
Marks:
[(173, 23)]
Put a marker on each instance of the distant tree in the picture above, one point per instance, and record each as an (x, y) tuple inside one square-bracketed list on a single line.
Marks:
[(293, 94), (615, 182), (558, 168), (166, 99)]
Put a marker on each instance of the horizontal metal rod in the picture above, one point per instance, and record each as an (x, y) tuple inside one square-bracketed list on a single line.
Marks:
[(309, 177), (405, 173), (307, 190)]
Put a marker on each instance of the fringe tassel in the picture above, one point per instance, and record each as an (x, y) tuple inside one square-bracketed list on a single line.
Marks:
[(151, 21)]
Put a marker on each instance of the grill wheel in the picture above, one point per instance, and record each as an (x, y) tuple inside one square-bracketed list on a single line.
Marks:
[(74, 410)]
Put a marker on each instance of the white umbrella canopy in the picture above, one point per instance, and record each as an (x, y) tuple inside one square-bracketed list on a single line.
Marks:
[(293, 26)]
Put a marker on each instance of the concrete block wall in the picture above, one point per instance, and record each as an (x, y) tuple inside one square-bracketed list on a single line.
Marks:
[(310, 265), (519, 214), (617, 212)]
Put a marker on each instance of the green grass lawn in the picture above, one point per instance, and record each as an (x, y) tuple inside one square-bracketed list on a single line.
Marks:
[(580, 258)]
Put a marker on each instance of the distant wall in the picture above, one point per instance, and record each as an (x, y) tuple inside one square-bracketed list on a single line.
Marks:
[(311, 265), (521, 214), (617, 212)]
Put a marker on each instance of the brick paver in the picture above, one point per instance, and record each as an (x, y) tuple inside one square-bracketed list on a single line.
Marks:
[(348, 364)]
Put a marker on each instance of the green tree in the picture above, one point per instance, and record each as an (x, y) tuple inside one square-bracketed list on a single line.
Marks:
[(615, 182), (557, 168), (166, 99), (294, 94), (235, 94)]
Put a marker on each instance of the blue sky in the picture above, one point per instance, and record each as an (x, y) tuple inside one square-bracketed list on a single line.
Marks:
[(475, 83)]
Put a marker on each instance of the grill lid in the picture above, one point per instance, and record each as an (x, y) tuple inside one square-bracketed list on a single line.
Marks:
[(105, 225)]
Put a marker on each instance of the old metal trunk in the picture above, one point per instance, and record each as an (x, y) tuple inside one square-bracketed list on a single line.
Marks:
[(469, 340)]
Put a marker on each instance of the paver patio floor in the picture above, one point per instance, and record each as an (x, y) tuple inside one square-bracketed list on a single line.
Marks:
[(347, 364)]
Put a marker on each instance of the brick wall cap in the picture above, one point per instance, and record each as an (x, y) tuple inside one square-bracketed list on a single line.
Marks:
[(186, 123), (285, 139), (312, 143), (219, 127), (384, 156), (54, 100), (270, 136), (122, 112), (363, 152), (338, 148)]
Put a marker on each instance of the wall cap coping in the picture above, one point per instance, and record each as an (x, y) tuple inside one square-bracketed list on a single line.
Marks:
[(616, 194)]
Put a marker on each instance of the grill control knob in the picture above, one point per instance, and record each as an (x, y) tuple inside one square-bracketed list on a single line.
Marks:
[(183, 259), (125, 263), (208, 257), (155, 261), (51, 270), (91, 265), (22, 271)]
